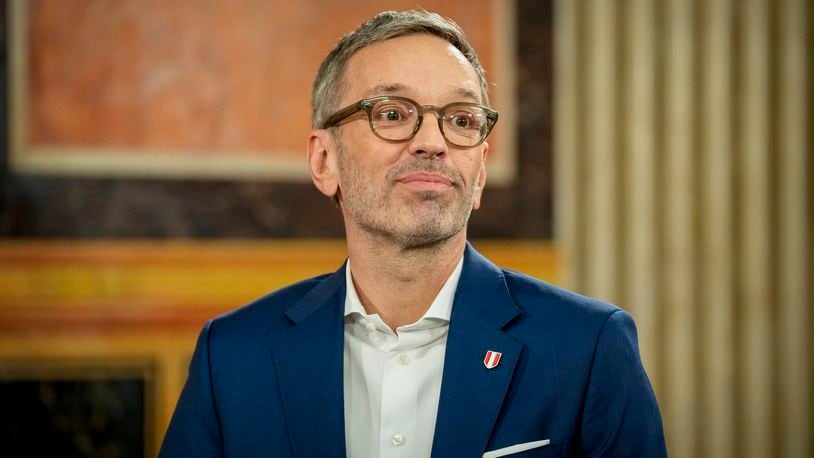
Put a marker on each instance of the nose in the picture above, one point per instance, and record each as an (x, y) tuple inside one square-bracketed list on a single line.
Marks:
[(429, 140)]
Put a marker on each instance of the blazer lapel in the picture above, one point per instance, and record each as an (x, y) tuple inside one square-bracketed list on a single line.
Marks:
[(471, 393), (308, 362)]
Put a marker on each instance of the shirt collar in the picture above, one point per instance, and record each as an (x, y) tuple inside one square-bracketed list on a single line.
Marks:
[(441, 307)]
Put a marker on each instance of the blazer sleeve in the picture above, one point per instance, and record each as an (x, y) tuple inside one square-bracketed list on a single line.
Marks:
[(194, 430), (620, 417)]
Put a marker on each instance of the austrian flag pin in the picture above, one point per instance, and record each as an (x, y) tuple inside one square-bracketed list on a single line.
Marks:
[(492, 359)]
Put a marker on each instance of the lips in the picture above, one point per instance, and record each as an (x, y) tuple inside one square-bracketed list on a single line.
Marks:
[(424, 178)]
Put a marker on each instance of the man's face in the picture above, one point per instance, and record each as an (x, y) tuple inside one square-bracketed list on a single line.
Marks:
[(418, 192)]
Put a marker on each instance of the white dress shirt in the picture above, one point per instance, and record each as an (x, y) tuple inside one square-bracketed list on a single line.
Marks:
[(393, 380)]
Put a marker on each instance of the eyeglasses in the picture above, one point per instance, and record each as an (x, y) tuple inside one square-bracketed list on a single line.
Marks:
[(398, 119)]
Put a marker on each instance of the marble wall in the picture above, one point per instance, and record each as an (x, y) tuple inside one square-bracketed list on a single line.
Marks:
[(42, 203)]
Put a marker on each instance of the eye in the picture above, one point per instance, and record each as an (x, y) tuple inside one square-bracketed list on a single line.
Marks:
[(462, 121), (465, 120), (392, 113)]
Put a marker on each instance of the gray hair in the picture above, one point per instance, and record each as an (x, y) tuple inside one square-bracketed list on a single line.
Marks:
[(329, 83)]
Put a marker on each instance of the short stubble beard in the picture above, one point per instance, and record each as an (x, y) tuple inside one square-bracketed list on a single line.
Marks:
[(434, 218)]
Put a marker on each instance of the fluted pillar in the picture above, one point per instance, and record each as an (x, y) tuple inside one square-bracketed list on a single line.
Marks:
[(684, 189)]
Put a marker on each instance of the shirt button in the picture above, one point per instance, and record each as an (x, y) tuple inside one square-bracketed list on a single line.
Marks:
[(398, 439), (370, 327), (404, 359)]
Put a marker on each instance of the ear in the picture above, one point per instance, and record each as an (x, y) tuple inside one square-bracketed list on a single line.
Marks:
[(322, 161), (481, 177)]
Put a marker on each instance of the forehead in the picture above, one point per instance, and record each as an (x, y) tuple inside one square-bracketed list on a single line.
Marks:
[(420, 66)]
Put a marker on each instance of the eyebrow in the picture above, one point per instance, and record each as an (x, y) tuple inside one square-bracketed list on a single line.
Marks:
[(398, 87), (385, 89), (466, 93)]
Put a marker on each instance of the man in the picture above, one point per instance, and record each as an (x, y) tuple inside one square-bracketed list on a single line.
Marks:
[(417, 345)]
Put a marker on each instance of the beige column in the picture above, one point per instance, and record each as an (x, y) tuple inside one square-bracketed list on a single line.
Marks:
[(601, 155), (795, 297), (754, 238), (642, 283), (565, 139), (717, 226), (680, 188), (684, 195)]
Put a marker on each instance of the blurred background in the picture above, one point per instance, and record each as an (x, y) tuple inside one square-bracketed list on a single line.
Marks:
[(652, 153)]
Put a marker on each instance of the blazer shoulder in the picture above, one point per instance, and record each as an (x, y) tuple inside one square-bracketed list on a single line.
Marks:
[(267, 312), (538, 298)]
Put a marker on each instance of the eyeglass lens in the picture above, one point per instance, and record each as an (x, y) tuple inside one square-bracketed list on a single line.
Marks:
[(396, 120)]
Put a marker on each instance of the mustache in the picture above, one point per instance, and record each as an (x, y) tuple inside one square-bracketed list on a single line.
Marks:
[(425, 165)]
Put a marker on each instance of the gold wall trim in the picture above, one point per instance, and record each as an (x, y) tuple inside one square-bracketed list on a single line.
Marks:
[(72, 302), (111, 285)]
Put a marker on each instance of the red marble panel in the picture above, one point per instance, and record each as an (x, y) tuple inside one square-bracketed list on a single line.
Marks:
[(219, 76)]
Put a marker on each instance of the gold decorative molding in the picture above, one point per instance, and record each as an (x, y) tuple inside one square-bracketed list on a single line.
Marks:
[(105, 300)]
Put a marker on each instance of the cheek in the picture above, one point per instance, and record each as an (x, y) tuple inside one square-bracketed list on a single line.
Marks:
[(362, 172), (471, 169), (369, 152)]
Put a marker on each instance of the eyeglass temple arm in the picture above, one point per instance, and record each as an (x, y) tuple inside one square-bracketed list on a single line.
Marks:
[(335, 118)]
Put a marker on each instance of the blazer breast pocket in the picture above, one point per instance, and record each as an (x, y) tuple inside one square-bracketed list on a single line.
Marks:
[(534, 449)]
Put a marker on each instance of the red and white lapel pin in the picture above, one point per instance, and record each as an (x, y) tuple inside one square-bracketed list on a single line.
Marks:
[(492, 359)]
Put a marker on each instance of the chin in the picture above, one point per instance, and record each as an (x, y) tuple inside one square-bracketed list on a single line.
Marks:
[(429, 234)]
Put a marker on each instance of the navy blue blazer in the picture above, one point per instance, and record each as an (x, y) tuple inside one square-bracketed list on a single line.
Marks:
[(266, 379)]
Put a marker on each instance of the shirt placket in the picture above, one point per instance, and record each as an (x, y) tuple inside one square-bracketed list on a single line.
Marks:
[(398, 402)]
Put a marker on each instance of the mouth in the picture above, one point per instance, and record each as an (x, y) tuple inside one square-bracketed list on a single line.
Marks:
[(426, 181)]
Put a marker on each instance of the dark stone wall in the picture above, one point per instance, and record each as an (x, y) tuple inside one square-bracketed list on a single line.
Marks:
[(73, 418), (82, 207)]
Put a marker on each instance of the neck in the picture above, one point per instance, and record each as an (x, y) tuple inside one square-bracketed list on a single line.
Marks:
[(400, 284)]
